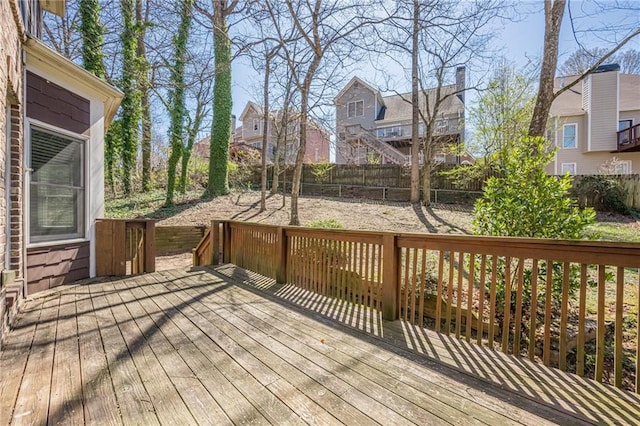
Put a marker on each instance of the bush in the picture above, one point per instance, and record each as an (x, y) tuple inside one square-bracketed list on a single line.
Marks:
[(602, 192), (526, 202), (325, 223)]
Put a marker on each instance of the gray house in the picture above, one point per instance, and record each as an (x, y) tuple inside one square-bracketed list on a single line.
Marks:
[(375, 128)]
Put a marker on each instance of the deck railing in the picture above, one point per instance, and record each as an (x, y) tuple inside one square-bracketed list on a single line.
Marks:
[(125, 247), (568, 304), (629, 138)]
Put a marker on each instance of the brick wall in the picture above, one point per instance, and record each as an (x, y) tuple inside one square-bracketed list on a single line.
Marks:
[(11, 38), (317, 142)]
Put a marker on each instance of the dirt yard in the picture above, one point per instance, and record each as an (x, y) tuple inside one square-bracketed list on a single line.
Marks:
[(352, 214), (355, 214)]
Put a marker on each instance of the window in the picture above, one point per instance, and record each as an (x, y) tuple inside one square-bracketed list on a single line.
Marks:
[(569, 140), (355, 109), (57, 187), (568, 168), (389, 132), (622, 167), (256, 125)]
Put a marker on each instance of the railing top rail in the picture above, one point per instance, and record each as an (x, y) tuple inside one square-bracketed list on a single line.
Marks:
[(473, 239)]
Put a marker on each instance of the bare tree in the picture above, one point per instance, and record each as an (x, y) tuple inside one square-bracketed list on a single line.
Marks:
[(326, 30), (554, 12), (581, 60)]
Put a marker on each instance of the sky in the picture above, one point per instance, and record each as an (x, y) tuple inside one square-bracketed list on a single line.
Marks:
[(520, 41)]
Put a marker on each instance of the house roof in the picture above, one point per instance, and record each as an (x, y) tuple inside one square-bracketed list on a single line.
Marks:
[(361, 82), (250, 105), (398, 107), (40, 54), (570, 102)]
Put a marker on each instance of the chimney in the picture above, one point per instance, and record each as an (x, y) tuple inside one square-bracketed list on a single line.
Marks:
[(600, 102), (460, 82)]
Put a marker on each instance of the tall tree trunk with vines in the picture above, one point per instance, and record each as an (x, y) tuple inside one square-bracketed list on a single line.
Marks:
[(222, 103), (144, 88), (177, 97)]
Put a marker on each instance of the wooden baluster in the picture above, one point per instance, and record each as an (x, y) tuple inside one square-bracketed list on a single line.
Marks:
[(564, 313), (470, 285), (492, 299), (449, 301), (414, 285), (602, 282), (506, 325), (439, 292), (405, 265), (368, 274), (481, 294), (520, 290), (618, 355), (581, 320), (459, 294), (546, 357), (423, 287), (533, 309)]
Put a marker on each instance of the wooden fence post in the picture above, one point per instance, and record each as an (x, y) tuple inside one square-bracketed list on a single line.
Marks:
[(215, 242), (390, 284), (281, 256), (226, 244)]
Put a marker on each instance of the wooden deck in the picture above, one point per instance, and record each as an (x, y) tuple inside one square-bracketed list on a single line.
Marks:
[(225, 346)]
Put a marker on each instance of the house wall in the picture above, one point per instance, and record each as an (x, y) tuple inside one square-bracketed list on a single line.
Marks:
[(357, 92), (317, 149), (10, 165), (590, 162), (70, 97), (602, 111), (51, 266)]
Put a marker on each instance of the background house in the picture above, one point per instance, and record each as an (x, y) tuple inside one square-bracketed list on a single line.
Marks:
[(252, 118), (596, 121), (51, 158), (372, 127)]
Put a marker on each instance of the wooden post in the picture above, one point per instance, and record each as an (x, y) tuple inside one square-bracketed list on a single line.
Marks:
[(150, 246), (390, 287), (226, 247), (282, 250), (215, 242)]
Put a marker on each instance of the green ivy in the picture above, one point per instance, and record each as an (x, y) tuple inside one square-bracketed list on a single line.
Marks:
[(177, 110), (222, 104)]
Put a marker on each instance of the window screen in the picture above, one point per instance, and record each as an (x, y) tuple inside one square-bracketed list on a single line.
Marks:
[(57, 187)]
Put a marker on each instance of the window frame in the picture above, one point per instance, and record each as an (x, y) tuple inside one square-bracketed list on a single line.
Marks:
[(83, 234), (355, 109), (575, 136), (575, 169), (257, 125)]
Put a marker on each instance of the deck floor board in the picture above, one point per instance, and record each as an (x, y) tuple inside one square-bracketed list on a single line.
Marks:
[(225, 346)]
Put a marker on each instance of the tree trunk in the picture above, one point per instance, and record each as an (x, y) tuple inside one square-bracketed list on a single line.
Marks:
[(427, 165), (186, 152), (145, 104), (265, 134), (415, 137), (218, 183), (553, 12), (297, 171)]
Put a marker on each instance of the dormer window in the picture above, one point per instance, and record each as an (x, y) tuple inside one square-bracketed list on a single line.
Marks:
[(355, 109), (256, 125)]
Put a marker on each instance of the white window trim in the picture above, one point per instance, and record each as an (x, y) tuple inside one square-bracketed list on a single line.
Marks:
[(355, 109), (575, 136), (257, 125), (575, 169), (30, 122)]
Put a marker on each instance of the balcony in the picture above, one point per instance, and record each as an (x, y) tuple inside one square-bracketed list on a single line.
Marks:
[(629, 139)]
